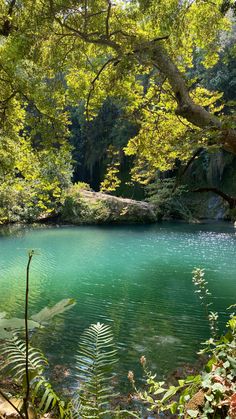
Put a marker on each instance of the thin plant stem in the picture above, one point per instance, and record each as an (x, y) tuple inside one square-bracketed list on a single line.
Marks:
[(27, 393), (9, 401)]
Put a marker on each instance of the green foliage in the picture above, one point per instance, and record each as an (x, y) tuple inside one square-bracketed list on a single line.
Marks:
[(14, 353), (201, 286), (72, 195), (222, 76), (168, 199), (210, 394), (36, 162), (92, 140), (94, 364), (95, 360), (203, 293), (32, 189), (164, 137), (79, 210), (76, 188), (64, 53), (111, 181)]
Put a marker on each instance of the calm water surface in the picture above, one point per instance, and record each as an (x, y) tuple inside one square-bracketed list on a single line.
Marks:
[(135, 278)]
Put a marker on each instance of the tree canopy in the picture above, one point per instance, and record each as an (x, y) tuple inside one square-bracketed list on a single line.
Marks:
[(57, 53)]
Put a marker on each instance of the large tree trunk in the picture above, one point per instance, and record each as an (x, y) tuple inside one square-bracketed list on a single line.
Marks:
[(189, 110)]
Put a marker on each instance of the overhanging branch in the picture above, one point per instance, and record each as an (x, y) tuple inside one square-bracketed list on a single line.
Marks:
[(231, 201), (154, 53)]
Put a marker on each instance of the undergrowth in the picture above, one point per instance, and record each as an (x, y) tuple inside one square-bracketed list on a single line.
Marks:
[(212, 392)]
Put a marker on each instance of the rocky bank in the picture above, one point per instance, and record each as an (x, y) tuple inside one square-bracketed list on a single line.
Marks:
[(88, 207)]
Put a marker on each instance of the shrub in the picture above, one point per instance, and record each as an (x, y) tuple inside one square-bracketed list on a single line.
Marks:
[(82, 210), (210, 394), (168, 199)]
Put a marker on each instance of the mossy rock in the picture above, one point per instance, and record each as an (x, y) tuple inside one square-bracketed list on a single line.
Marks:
[(87, 207)]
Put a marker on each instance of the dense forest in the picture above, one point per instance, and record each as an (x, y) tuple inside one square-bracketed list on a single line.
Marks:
[(119, 96)]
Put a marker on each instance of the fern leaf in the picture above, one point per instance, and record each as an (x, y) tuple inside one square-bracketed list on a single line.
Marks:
[(94, 364), (14, 352)]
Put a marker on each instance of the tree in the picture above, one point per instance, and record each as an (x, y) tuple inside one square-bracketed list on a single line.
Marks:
[(136, 51)]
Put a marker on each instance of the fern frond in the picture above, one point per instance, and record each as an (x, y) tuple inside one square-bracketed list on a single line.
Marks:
[(14, 353), (94, 365), (43, 390)]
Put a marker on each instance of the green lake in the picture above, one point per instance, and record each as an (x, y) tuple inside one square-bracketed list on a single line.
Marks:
[(135, 278)]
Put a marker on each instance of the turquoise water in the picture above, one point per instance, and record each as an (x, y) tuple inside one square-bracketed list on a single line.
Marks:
[(135, 278)]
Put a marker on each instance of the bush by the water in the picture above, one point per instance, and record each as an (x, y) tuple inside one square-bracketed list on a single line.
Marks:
[(78, 210)]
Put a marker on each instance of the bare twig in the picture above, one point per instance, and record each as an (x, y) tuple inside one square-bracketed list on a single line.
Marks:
[(85, 15), (100, 40)]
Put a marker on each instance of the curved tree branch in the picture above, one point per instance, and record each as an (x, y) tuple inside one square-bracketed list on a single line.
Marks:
[(154, 52), (187, 108), (231, 201)]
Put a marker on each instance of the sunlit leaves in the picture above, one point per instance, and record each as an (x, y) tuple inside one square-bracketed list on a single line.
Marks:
[(33, 182), (111, 181), (164, 136), (60, 53), (208, 99)]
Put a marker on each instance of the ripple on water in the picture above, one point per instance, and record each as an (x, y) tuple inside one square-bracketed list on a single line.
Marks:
[(137, 279)]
